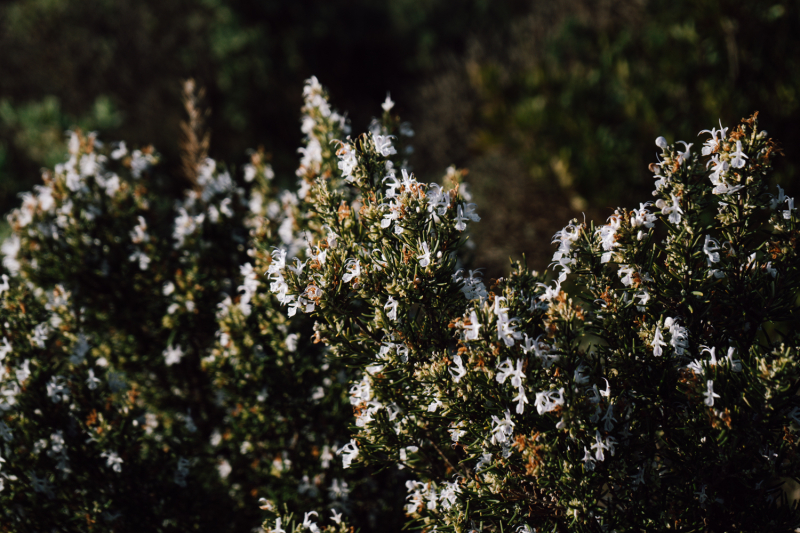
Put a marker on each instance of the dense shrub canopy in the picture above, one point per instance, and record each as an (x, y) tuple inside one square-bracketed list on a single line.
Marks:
[(327, 351)]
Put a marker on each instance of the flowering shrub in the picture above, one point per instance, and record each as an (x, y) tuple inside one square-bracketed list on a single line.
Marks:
[(228, 339), (74, 442), (655, 389), (241, 403)]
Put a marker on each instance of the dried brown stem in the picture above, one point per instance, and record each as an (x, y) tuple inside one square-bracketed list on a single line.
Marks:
[(194, 135)]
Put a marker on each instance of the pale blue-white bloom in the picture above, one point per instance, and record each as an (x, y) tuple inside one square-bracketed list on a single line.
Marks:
[(710, 394), (459, 371), (738, 157), (348, 452)]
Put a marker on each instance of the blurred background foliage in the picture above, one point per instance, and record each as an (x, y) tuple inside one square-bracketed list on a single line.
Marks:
[(553, 105)]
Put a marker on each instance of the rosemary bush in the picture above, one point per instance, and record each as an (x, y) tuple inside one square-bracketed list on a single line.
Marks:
[(651, 385), (192, 364)]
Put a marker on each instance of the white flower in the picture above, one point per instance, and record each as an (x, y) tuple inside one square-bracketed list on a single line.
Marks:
[(787, 214), (712, 352), (79, 351), (24, 371), (10, 249), (113, 461), (224, 468), (347, 161), (710, 248), (471, 330), (736, 364), (277, 527), (459, 371), (702, 496), (607, 234), (464, 213), (291, 342), (141, 257), (438, 200), (40, 334), (658, 342), (683, 156), (673, 211), (393, 215), (387, 106), (312, 156), (383, 144), (738, 157), (92, 381), (473, 286), (57, 389), (508, 370), (580, 375), (447, 496), (625, 274), (416, 496), (308, 524), (777, 200), (339, 490), (336, 517), (353, 271), (391, 306), (588, 459), (547, 401), (391, 192), (638, 477), (434, 405), (404, 455), (112, 186), (506, 330), (710, 394), (120, 151), (521, 398), (550, 293), (5, 349), (679, 335), (641, 298), (486, 459), (642, 218), (718, 175), (712, 144), (139, 233), (602, 444), (326, 456), (503, 428), (185, 225), (168, 288), (41, 485), (456, 432), (425, 257), (540, 350), (173, 354), (348, 452)]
